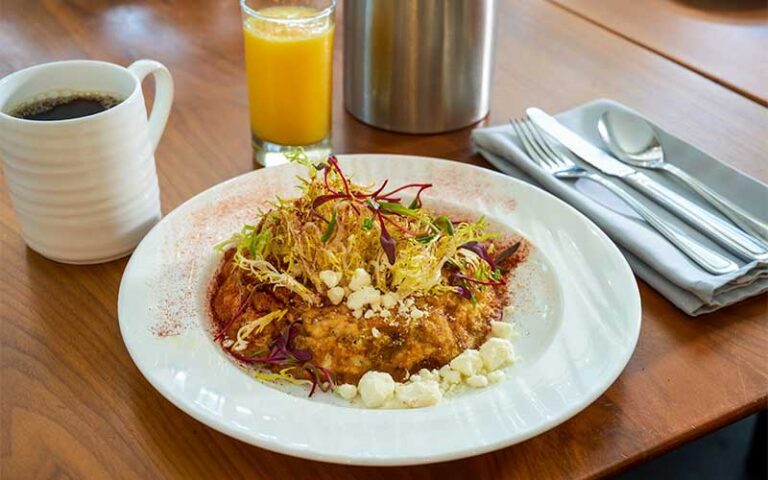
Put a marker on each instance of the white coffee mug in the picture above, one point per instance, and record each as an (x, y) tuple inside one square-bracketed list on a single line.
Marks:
[(84, 189)]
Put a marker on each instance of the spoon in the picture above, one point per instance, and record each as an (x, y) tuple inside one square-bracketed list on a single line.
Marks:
[(633, 140)]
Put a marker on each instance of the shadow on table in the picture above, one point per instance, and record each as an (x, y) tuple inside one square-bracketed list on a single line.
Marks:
[(726, 5), (735, 452), (747, 12)]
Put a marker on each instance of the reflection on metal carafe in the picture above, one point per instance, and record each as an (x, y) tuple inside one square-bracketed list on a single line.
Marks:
[(418, 66)]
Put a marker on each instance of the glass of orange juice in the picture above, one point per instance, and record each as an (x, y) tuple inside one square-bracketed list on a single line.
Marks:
[(289, 64)]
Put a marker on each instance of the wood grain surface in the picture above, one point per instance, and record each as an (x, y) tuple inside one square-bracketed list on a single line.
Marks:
[(72, 404), (725, 40)]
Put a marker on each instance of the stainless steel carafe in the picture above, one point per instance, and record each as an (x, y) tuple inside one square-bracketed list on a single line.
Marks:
[(418, 66)]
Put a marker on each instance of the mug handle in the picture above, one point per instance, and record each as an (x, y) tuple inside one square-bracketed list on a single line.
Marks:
[(163, 96)]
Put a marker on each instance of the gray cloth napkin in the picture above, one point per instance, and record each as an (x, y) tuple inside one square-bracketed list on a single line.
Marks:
[(650, 255)]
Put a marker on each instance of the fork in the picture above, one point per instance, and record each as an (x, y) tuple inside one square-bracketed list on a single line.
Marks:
[(544, 153)]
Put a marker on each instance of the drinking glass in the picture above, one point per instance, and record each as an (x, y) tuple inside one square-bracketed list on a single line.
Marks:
[(288, 63)]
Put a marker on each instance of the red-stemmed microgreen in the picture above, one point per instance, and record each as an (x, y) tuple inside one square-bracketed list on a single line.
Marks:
[(463, 291), (380, 189), (380, 204), (238, 313), (507, 253), (461, 281), (467, 278), (480, 250), (407, 232), (386, 240), (282, 354), (421, 186)]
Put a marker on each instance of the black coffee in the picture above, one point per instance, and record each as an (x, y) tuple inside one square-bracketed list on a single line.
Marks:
[(63, 107)]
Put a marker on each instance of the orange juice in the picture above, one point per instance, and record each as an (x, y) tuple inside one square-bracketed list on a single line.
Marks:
[(288, 64)]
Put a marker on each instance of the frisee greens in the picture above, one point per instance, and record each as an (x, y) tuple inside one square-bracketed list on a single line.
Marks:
[(337, 224)]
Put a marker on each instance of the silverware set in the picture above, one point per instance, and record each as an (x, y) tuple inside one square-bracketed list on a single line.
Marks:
[(549, 144), (633, 140)]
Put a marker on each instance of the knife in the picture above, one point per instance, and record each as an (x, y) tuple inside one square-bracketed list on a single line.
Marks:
[(727, 235)]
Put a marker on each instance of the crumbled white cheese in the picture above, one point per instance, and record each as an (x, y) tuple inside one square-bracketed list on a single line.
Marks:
[(389, 300), (227, 343), (496, 353), (360, 279), (375, 388), (433, 375), (503, 330), (346, 391), (240, 346), (467, 362), (496, 376), (471, 368), (369, 313), (407, 308), (419, 394), (450, 375), (393, 402), (330, 278), (335, 295), (362, 297), (477, 381), (385, 314)]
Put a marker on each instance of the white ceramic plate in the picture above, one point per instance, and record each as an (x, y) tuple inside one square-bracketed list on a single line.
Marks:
[(578, 312)]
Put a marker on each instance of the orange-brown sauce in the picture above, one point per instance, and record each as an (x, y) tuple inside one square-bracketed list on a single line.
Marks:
[(349, 346)]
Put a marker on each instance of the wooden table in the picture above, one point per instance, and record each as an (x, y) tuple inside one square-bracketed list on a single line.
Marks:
[(74, 406), (724, 40)]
